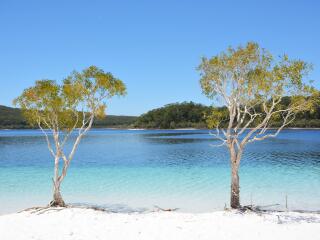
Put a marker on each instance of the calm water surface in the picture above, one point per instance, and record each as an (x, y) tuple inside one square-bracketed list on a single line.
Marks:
[(134, 170)]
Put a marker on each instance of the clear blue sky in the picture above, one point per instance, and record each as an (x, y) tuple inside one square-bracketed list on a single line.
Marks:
[(153, 46)]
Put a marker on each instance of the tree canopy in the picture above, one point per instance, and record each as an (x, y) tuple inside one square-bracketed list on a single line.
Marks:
[(253, 86), (59, 107)]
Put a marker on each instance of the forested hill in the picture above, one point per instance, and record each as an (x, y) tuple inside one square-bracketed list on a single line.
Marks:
[(11, 118), (192, 115), (176, 115)]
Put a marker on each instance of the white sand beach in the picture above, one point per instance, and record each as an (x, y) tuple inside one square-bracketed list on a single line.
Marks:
[(78, 223)]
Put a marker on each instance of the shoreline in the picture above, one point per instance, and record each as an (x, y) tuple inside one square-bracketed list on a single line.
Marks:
[(144, 129), (156, 208), (81, 223)]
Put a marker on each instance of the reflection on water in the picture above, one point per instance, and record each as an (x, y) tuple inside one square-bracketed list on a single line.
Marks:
[(169, 168)]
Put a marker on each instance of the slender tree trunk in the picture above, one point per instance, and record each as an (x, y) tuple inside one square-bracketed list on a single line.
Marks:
[(57, 197), (235, 187), (235, 157), (58, 178)]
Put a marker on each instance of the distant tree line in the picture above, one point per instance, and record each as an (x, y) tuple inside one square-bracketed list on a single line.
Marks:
[(171, 116), (192, 115), (175, 115), (11, 118)]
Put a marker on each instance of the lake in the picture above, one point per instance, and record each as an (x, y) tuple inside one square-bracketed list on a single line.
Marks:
[(126, 170)]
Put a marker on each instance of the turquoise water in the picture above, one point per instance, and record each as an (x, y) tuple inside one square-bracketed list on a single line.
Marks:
[(134, 170)]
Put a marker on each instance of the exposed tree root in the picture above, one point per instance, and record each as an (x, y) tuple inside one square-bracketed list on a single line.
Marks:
[(41, 210), (253, 208), (57, 204), (166, 210), (50, 208)]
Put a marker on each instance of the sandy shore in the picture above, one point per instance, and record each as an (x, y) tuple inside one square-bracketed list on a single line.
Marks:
[(77, 223)]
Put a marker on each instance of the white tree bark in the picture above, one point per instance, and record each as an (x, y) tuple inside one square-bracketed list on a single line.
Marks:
[(58, 153), (238, 134)]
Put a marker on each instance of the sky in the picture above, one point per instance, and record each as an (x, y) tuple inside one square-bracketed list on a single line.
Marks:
[(154, 46)]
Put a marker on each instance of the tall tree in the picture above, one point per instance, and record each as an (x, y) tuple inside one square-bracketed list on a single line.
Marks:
[(252, 85), (60, 110)]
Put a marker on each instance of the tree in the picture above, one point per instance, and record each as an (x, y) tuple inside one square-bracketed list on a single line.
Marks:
[(67, 108), (252, 85)]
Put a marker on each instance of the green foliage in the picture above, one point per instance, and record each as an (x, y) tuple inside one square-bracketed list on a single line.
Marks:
[(177, 115), (217, 117), (309, 118), (65, 106), (115, 121), (12, 118), (246, 79), (251, 72)]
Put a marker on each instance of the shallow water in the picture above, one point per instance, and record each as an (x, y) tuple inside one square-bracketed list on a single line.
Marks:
[(135, 170)]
